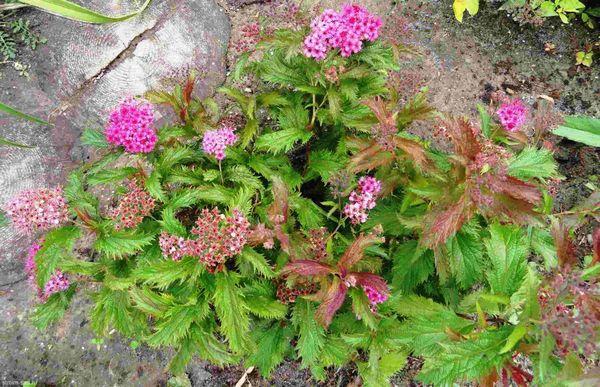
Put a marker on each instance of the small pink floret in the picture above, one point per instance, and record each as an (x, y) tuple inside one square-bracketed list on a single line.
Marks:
[(362, 200)]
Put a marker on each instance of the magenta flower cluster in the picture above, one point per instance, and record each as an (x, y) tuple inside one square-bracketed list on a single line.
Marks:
[(374, 296), (30, 265), (58, 282), (131, 125), (344, 30), (216, 141), (217, 238), (37, 210), (512, 115), (362, 200)]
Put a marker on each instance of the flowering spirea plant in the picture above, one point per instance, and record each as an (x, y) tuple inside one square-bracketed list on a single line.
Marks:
[(131, 125), (215, 142), (344, 30), (37, 210), (362, 200), (258, 256), (512, 115)]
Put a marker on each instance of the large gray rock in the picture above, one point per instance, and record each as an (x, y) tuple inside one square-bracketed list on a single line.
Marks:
[(75, 79)]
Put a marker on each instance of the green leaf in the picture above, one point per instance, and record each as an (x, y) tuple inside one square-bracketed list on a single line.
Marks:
[(94, 138), (14, 112), (76, 12), (542, 243), (525, 299), (311, 334), (260, 299), (581, 129), (256, 261), (164, 272), (412, 266), (113, 309), (532, 162), (466, 360), (309, 214), (515, 336), (175, 323), (232, 311), (466, 256), (119, 244), (282, 141), (154, 187), (58, 244), (362, 308), (507, 249), (272, 345), (486, 119), (105, 176), (323, 163), (53, 309)]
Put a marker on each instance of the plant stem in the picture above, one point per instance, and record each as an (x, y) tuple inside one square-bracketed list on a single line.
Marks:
[(221, 173)]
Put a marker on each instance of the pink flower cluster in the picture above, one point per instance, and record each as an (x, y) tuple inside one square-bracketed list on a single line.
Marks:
[(512, 115), (58, 282), (216, 141), (30, 265), (37, 210), (133, 207), (131, 125), (362, 200), (344, 31), (217, 238), (374, 296)]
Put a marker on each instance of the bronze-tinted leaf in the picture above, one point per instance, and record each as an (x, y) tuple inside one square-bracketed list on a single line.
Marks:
[(463, 136), (441, 225), (370, 157), (333, 300), (372, 280), (415, 151), (278, 212), (307, 267), (565, 249), (355, 252)]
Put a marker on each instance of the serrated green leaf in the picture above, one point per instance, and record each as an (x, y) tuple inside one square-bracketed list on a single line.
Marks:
[(118, 244), (232, 310), (94, 138), (507, 249), (105, 176), (311, 334), (532, 162)]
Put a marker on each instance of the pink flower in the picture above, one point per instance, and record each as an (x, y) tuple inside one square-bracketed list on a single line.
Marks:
[(37, 210), (216, 141), (30, 265), (362, 200), (58, 282), (374, 296), (345, 31), (512, 115), (133, 207), (131, 125), (217, 238)]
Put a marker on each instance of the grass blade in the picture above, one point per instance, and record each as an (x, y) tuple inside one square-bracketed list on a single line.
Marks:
[(76, 12), (4, 141), (12, 111)]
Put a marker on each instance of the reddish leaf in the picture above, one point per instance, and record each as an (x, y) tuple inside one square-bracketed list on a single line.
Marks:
[(489, 380), (519, 190), (442, 225), (278, 212), (596, 243), (463, 136), (307, 267), (415, 151), (370, 157), (373, 280), (355, 252), (333, 300), (521, 377), (565, 249), (381, 111)]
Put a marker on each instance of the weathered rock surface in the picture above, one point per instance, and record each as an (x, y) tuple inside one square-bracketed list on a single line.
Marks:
[(74, 80)]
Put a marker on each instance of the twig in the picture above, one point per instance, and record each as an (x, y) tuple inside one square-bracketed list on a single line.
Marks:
[(8, 7), (244, 377)]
